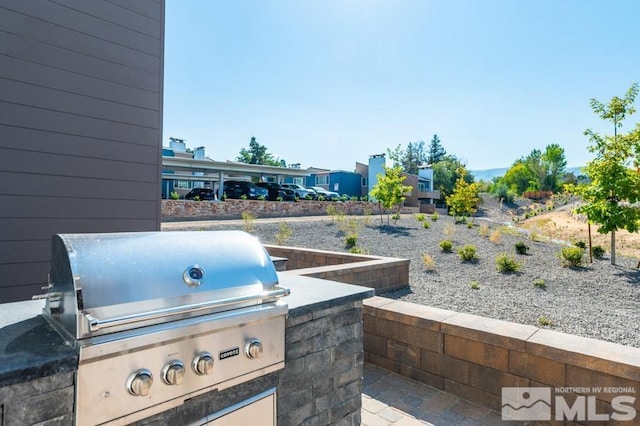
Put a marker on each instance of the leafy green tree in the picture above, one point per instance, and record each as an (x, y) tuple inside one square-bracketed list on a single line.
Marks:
[(389, 191), (258, 154), (437, 152), (446, 173), (411, 158), (554, 164), (611, 198), (519, 177), (414, 157), (464, 200)]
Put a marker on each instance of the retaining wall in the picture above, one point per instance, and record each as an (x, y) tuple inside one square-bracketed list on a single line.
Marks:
[(475, 357), (380, 273), (232, 209)]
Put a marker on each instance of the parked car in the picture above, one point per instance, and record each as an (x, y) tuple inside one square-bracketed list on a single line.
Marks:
[(238, 188), (328, 195), (201, 193), (277, 191), (301, 192)]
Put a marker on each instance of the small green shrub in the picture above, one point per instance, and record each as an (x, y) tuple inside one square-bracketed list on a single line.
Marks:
[(571, 256), (175, 196), (539, 283), (468, 253), (446, 246), (395, 217), (196, 198), (544, 321), (521, 248), (350, 240), (420, 217), (470, 225), (357, 250), (474, 285), (243, 197), (580, 244), (507, 263), (434, 217), (598, 252), (426, 225)]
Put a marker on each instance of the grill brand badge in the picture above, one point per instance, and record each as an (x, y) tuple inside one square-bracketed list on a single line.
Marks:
[(229, 353), (526, 403)]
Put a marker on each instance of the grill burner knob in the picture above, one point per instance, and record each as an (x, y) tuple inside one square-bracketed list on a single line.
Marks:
[(253, 349), (173, 373), (139, 383), (203, 364)]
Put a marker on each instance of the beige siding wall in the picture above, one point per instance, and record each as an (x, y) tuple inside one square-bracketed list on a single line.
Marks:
[(80, 118)]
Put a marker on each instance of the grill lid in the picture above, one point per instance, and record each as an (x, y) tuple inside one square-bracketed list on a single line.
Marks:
[(102, 283)]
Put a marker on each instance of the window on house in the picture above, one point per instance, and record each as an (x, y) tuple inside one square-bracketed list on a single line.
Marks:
[(298, 181), (184, 184), (322, 180), (364, 181)]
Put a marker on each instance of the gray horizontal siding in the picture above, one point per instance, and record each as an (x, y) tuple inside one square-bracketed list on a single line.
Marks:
[(73, 124), (19, 184), (80, 118), (48, 54), (43, 141), (19, 70), (70, 103), (40, 30), (17, 161), (74, 18), (42, 207)]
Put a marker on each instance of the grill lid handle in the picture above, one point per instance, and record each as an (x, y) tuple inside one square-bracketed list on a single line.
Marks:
[(96, 324)]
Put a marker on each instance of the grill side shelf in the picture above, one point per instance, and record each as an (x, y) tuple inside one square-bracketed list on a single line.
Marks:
[(96, 324)]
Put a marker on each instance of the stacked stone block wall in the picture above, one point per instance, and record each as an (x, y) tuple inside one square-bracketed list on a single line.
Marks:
[(322, 381), (232, 209), (475, 357), (380, 273)]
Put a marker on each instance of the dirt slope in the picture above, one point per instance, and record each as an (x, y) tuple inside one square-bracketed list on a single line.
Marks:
[(562, 225)]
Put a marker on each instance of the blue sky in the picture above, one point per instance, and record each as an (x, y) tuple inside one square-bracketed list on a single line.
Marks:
[(326, 83)]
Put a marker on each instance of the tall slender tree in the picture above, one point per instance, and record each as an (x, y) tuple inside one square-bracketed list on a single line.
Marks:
[(612, 195), (436, 152)]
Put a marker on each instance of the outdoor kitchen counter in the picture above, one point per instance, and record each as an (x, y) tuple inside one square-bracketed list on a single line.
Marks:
[(29, 347), (315, 294)]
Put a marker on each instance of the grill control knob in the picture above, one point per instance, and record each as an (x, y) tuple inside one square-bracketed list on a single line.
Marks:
[(173, 373), (203, 363), (253, 348), (139, 383)]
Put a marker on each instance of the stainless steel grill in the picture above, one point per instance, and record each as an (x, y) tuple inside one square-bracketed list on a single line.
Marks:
[(160, 317)]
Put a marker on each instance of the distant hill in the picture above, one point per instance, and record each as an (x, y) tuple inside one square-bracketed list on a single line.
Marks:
[(488, 174)]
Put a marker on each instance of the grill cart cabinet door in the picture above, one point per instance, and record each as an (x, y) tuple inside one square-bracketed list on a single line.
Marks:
[(257, 411)]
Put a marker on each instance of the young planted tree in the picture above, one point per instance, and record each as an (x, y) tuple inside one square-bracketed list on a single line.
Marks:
[(611, 198), (464, 199), (389, 191)]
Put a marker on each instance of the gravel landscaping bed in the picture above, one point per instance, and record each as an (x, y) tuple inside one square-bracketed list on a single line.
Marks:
[(598, 300)]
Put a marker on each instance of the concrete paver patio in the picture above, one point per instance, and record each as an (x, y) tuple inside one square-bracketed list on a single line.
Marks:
[(391, 399)]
